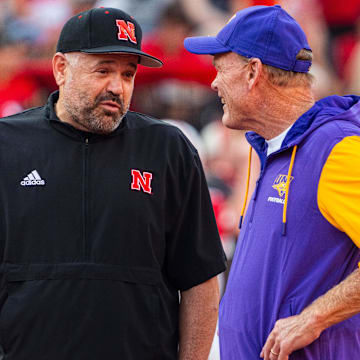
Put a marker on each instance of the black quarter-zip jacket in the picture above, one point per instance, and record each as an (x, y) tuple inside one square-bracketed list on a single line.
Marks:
[(98, 234)]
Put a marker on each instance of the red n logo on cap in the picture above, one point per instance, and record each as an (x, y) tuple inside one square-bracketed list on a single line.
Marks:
[(126, 31), (141, 181)]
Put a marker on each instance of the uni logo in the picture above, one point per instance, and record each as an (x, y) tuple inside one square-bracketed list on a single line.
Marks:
[(141, 181), (126, 31), (280, 184)]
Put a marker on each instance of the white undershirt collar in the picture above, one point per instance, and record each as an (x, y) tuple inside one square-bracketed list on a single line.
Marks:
[(275, 143)]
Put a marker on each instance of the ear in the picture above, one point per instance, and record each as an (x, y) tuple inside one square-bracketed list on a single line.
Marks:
[(254, 73), (59, 64)]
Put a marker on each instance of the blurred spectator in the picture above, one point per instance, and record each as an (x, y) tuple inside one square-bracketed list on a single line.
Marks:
[(325, 83), (16, 36), (50, 15), (352, 68), (33, 20), (17, 24), (226, 167), (38, 22), (19, 86), (28, 33), (77, 6), (210, 16), (309, 15), (145, 11), (341, 18), (182, 87)]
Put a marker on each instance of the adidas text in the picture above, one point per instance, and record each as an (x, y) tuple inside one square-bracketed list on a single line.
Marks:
[(32, 182)]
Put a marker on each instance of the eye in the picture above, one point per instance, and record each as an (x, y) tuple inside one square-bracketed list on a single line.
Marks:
[(103, 71), (129, 74)]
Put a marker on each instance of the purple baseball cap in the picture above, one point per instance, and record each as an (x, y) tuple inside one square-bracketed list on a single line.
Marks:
[(265, 32)]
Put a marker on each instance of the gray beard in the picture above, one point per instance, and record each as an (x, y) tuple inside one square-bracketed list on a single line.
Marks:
[(96, 119), (96, 124)]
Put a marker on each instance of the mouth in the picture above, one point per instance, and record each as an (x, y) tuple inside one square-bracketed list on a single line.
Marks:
[(111, 105)]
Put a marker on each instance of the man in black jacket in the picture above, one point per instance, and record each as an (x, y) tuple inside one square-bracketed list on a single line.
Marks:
[(106, 216)]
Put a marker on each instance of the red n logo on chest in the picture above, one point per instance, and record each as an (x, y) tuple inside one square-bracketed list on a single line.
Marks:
[(141, 181), (126, 31)]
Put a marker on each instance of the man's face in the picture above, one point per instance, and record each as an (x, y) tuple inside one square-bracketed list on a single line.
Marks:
[(231, 88), (97, 90)]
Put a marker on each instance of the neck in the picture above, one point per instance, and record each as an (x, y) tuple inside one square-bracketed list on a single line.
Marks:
[(64, 116), (280, 108)]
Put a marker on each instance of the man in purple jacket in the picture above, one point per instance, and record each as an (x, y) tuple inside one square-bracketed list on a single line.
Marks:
[(294, 285)]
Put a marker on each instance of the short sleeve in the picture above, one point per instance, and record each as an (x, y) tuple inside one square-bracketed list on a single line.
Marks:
[(194, 252), (339, 188)]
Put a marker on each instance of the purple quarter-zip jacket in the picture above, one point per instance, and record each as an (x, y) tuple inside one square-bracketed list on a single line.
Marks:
[(275, 276)]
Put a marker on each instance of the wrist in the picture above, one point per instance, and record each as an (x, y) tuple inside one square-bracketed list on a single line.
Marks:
[(314, 321)]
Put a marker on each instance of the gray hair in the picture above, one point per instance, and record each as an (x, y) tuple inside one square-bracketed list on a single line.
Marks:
[(280, 77), (72, 58)]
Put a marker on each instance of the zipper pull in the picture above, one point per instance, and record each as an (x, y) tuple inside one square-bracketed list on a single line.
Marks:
[(86, 141)]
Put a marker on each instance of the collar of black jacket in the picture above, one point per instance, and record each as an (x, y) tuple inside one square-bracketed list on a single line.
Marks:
[(70, 130)]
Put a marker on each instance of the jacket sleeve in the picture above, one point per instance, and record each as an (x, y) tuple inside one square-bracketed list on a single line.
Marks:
[(339, 188), (194, 252)]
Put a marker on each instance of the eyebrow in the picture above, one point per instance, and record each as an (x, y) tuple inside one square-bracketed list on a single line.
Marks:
[(104, 62), (216, 65)]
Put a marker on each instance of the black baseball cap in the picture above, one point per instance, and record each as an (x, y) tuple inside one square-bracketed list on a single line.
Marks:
[(104, 31)]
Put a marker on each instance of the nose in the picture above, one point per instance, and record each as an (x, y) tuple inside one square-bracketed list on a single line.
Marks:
[(115, 85), (214, 84)]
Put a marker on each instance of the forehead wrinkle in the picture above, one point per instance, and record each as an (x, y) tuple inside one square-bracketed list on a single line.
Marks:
[(114, 62), (218, 60)]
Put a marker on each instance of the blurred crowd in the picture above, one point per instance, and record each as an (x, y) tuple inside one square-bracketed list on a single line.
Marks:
[(179, 92)]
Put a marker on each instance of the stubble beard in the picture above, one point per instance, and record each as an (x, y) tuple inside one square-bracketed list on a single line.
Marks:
[(93, 117)]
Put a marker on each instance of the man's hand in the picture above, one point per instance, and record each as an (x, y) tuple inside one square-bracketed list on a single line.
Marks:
[(198, 316), (288, 335), (296, 332)]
